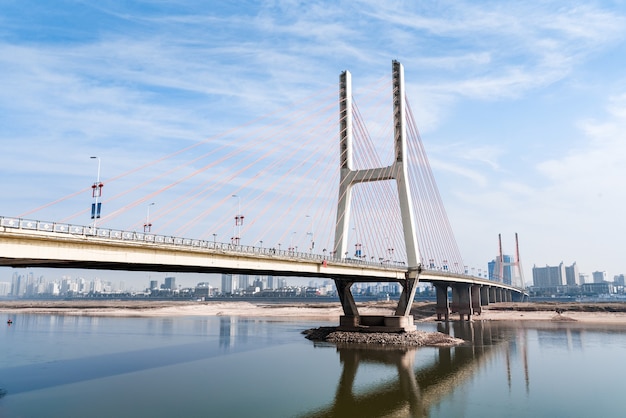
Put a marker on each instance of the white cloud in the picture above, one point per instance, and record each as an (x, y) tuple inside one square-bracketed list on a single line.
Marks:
[(152, 84)]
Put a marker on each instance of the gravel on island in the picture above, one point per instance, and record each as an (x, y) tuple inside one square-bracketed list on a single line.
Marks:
[(413, 338)]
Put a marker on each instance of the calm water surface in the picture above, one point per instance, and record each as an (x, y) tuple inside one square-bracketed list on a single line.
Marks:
[(70, 366)]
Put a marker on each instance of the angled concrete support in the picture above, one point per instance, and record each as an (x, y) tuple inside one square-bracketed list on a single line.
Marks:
[(345, 297), (408, 293)]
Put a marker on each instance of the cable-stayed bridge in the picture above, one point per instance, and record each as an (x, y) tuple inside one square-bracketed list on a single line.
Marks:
[(370, 212)]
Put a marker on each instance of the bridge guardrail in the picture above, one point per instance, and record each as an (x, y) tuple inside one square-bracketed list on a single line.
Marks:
[(106, 233)]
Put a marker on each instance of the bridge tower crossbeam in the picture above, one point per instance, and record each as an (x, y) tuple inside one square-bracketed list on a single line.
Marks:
[(397, 171)]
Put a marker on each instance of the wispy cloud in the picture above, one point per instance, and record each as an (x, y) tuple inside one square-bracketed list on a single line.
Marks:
[(132, 83)]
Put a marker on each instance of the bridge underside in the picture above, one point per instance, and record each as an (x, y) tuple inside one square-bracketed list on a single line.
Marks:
[(401, 321), (468, 299)]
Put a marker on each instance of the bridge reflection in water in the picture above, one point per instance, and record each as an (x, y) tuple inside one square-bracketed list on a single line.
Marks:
[(416, 391)]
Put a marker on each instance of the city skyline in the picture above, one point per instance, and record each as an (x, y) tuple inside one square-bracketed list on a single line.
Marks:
[(521, 106)]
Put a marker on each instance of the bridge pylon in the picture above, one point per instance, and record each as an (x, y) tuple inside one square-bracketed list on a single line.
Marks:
[(397, 171)]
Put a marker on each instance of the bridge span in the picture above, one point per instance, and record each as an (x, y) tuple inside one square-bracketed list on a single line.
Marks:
[(30, 243)]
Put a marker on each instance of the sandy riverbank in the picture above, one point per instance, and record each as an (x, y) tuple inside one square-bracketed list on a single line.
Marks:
[(614, 313)]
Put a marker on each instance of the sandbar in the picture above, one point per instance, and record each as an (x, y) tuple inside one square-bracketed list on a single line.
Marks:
[(609, 313)]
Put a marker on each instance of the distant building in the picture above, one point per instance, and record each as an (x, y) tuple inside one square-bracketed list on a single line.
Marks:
[(572, 276), (170, 283), (599, 276), (259, 283), (592, 289), (5, 288), (228, 284), (619, 280), (549, 276), (494, 272), (203, 290), (244, 281), (154, 285)]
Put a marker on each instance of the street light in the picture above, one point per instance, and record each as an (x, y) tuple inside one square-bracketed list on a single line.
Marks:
[(293, 234), (238, 222), (96, 193), (311, 233), (148, 226)]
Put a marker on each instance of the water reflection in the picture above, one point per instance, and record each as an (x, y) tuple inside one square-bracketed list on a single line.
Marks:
[(415, 391)]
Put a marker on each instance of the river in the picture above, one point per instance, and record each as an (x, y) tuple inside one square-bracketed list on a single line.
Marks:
[(219, 366)]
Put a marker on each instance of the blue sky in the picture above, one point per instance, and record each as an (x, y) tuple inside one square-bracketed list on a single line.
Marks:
[(521, 105)]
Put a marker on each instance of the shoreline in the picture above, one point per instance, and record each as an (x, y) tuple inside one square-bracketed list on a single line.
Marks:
[(605, 313)]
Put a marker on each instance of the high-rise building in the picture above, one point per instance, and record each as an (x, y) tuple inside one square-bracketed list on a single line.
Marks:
[(170, 283), (244, 281), (572, 276), (599, 276), (507, 269), (549, 275), (228, 284), (5, 288), (619, 280)]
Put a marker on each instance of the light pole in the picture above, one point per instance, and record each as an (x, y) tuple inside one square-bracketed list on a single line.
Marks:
[(147, 227), (311, 233), (214, 239), (238, 222), (293, 234), (96, 193)]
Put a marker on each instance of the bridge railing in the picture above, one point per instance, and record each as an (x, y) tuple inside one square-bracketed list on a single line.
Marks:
[(155, 239), (211, 245)]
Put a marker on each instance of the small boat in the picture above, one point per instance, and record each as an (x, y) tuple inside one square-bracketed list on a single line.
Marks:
[(10, 321)]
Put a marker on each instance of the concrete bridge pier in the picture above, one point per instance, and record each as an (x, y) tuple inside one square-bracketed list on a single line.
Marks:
[(475, 295), (517, 297), (346, 298), (400, 322), (408, 293), (492, 295), (484, 295), (443, 304), (462, 300)]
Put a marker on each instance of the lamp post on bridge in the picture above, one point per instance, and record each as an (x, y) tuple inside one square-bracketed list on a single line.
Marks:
[(293, 234), (238, 222), (311, 233), (147, 227), (96, 193)]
